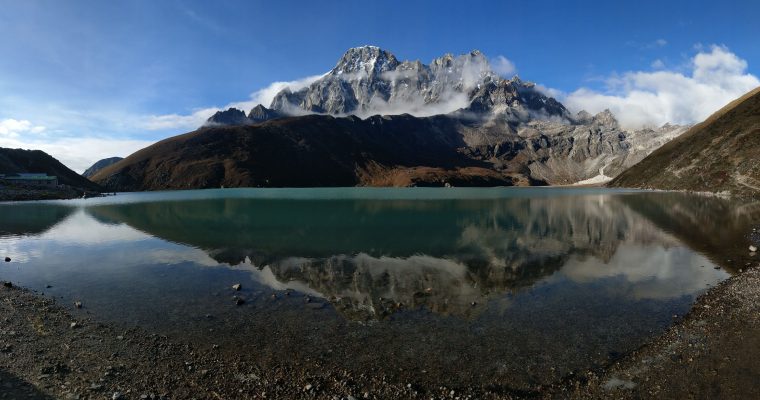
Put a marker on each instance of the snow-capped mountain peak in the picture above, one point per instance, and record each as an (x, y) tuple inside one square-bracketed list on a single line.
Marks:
[(368, 80)]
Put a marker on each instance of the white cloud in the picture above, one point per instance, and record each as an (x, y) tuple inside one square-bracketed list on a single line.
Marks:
[(637, 98), (178, 121), (11, 128), (547, 91), (76, 153), (503, 66), (266, 95), (198, 117), (449, 101), (658, 64)]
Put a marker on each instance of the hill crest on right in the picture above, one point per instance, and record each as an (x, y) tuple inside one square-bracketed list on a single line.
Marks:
[(719, 155)]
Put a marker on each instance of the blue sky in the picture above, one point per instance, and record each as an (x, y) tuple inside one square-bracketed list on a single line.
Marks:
[(85, 80)]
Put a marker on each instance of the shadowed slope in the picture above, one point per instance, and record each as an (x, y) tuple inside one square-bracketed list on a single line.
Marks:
[(313, 150), (18, 161)]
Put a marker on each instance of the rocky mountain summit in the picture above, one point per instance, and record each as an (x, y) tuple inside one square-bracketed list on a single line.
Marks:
[(234, 116), (369, 80)]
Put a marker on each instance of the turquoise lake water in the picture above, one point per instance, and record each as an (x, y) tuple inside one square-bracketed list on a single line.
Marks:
[(519, 287)]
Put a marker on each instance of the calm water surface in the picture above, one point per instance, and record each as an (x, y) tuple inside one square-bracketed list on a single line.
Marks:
[(517, 287)]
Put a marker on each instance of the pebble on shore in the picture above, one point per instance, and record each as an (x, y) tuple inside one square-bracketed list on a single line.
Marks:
[(237, 287)]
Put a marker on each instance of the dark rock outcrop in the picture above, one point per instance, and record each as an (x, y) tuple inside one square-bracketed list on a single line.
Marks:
[(261, 114), (231, 116)]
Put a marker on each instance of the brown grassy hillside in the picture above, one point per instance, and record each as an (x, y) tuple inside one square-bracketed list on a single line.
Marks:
[(309, 151), (720, 154)]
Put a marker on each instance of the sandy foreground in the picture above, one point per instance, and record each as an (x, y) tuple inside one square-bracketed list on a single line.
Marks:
[(49, 352)]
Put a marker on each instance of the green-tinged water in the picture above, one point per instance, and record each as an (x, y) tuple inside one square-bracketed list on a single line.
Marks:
[(517, 287)]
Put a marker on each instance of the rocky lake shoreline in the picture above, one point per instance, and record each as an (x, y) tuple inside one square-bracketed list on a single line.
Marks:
[(48, 351), (28, 193)]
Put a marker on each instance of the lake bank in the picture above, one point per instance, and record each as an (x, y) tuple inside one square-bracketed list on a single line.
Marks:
[(50, 351), (711, 351), (29, 193)]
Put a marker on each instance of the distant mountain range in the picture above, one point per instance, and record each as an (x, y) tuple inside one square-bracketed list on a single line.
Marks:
[(717, 155), (469, 127)]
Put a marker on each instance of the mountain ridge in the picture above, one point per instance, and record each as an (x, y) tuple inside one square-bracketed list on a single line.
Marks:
[(100, 164), (502, 132), (371, 81)]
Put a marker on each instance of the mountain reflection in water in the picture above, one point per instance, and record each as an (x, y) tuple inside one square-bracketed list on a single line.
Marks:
[(519, 275), (443, 255)]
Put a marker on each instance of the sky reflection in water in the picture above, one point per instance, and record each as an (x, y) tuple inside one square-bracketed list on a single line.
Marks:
[(518, 275)]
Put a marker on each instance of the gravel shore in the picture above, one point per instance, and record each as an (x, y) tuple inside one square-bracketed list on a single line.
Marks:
[(47, 351), (50, 352), (711, 353)]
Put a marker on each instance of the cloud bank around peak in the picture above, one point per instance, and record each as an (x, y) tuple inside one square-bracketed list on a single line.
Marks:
[(472, 72), (503, 66), (683, 94), (198, 117), (713, 77)]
